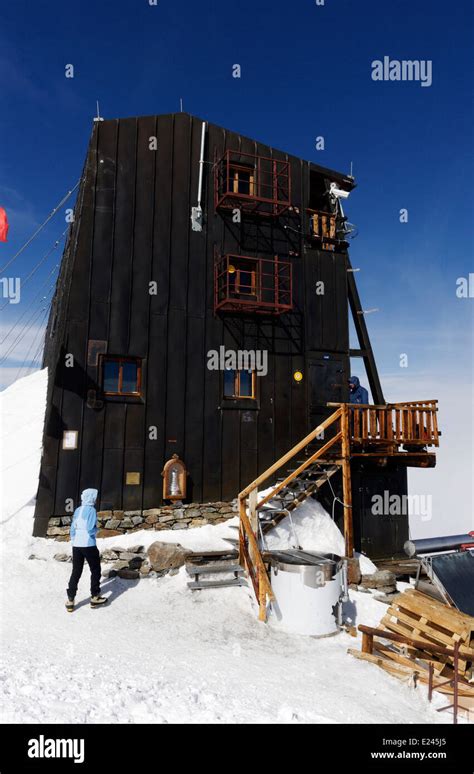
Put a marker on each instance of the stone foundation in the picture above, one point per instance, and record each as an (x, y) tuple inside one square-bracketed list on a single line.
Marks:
[(177, 516)]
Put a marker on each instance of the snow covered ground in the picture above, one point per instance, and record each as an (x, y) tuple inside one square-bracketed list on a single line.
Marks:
[(157, 652)]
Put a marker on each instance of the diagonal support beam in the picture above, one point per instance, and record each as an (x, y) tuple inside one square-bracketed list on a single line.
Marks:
[(363, 337)]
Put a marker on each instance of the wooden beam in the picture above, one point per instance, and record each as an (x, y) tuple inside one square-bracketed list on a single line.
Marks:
[(346, 483)]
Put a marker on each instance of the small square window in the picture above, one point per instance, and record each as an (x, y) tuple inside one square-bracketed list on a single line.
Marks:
[(243, 279), (239, 384), (121, 376), (242, 180)]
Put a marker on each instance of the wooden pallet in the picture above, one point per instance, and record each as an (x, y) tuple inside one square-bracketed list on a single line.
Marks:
[(413, 620), (422, 618)]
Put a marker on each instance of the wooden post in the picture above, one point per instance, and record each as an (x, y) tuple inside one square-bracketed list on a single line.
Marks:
[(346, 482), (367, 643), (241, 533), (262, 597)]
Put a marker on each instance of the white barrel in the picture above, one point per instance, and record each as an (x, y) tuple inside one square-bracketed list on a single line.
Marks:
[(306, 595)]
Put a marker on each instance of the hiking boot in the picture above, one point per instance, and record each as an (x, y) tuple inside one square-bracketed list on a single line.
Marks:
[(98, 601), (70, 605)]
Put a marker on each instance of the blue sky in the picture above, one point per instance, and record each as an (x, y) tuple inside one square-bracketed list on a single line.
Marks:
[(306, 72)]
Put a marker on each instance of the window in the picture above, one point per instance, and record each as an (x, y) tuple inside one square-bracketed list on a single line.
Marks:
[(243, 279), (241, 180), (239, 384), (121, 376)]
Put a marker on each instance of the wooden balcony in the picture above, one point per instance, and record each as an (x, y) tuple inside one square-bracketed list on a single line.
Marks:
[(322, 228), (388, 428)]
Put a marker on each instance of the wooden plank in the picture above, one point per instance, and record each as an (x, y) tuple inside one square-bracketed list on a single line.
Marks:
[(382, 423), (365, 429), (356, 424), (346, 484), (433, 630), (373, 423), (382, 662), (401, 628), (437, 612), (404, 670)]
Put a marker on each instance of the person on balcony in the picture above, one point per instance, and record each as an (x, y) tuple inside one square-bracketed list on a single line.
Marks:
[(358, 394)]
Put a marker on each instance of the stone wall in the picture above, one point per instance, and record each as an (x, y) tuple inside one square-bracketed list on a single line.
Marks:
[(177, 516)]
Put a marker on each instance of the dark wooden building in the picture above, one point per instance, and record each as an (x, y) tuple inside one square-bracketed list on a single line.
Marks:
[(156, 278)]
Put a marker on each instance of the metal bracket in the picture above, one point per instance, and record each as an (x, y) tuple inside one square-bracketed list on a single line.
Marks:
[(196, 218)]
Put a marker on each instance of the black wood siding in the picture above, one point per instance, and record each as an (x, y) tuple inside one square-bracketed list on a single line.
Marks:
[(132, 227)]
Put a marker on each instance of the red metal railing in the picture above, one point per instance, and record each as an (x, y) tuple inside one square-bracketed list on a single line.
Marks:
[(255, 184), (243, 283)]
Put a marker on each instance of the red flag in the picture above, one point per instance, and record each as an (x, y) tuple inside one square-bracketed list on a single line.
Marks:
[(3, 225)]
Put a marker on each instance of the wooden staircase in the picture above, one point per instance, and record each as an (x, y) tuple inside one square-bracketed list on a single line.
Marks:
[(401, 430)]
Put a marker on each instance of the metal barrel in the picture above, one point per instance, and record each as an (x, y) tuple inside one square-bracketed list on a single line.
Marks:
[(436, 544)]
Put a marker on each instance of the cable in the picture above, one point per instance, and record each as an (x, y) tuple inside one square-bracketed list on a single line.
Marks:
[(29, 305), (41, 335), (35, 268), (38, 230), (23, 332)]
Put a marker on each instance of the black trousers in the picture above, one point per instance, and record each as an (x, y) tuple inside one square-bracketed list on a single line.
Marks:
[(92, 556)]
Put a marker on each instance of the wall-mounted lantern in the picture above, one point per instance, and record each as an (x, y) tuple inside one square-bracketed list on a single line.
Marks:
[(174, 479)]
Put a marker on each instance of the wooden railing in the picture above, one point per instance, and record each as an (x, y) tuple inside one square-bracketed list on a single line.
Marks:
[(413, 423)]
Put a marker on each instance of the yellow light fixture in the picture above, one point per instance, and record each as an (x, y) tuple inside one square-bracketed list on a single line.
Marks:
[(231, 269), (298, 376)]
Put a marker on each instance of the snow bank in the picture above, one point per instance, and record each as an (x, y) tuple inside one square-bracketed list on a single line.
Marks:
[(22, 408), (157, 652), (312, 528)]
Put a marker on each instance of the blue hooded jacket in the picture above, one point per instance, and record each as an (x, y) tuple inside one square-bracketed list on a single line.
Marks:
[(360, 394), (84, 521)]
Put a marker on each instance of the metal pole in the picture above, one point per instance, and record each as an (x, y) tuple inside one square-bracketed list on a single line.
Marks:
[(201, 162)]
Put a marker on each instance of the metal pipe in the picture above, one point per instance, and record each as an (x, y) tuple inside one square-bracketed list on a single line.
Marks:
[(436, 544), (201, 162)]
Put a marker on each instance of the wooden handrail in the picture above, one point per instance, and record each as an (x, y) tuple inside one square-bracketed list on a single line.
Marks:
[(296, 473), (289, 455)]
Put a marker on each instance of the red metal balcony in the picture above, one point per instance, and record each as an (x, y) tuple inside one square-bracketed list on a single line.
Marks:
[(254, 285), (254, 184)]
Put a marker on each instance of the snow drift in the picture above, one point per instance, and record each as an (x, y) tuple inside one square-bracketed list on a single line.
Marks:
[(157, 652)]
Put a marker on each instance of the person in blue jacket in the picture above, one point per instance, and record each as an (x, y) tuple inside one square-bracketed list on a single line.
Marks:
[(358, 394), (84, 547)]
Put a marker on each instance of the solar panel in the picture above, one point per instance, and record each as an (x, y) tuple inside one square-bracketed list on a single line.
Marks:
[(455, 573)]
